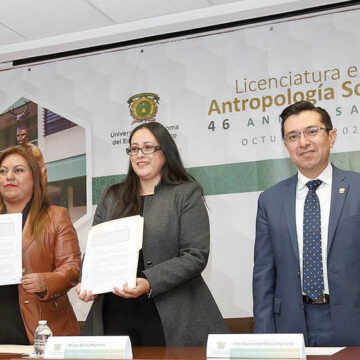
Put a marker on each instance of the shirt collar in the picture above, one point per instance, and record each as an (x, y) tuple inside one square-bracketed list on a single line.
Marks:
[(325, 177)]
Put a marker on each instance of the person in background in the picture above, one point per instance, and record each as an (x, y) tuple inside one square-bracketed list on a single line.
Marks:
[(50, 254), (22, 137), (171, 304), (307, 246)]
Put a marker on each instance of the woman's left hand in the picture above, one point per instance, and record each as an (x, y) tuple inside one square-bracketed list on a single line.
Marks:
[(33, 283), (142, 287)]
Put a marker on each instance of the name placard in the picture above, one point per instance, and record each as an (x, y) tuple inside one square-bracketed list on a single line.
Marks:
[(256, 346), (88, 347)]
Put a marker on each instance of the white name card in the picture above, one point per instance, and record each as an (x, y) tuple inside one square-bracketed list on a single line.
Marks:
[(88, 347), (256, 346)]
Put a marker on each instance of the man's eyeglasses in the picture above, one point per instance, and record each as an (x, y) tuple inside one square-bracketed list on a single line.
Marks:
[(146, 149), (296, 135)]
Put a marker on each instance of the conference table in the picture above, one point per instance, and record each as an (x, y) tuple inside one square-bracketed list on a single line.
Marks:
[(199, 353)]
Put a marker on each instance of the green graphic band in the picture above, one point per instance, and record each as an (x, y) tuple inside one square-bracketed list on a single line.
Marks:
[(240, 177)]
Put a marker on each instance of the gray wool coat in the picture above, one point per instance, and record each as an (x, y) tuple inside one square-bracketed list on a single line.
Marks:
[(175, 250)]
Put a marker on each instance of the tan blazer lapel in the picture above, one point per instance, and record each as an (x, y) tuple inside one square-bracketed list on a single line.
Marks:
[(27, 238)]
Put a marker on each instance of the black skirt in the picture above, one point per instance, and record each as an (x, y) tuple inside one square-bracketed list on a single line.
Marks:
[(138, 318), (12, 329)]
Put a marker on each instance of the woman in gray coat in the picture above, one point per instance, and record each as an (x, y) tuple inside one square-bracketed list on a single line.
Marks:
[(171, 304)]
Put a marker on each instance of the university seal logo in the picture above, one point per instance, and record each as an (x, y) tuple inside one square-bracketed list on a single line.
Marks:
[(143, 107)]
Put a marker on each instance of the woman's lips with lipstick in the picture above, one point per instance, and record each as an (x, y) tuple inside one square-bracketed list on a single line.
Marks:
[(10, 186), (142, 163)]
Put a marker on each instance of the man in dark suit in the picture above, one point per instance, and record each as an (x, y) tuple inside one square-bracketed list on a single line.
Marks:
[(307, 250)]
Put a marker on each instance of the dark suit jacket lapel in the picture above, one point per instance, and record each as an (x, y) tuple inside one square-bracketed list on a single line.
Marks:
[(289, 198), (338, 195)]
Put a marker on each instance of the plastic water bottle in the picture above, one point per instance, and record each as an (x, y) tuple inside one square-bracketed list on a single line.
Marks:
[(41, 335)]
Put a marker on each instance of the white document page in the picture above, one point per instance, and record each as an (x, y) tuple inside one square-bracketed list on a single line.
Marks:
[(112, 253), (11, 249)]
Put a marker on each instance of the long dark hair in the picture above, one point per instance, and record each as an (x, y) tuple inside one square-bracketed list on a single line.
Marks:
[(173, 173), (40, 203)]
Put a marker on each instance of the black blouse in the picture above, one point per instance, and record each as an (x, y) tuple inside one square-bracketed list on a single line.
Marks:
[(137, 318), (12, 329)]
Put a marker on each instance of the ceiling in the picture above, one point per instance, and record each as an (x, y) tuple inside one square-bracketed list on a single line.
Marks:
[(24, 20), (40, 27)]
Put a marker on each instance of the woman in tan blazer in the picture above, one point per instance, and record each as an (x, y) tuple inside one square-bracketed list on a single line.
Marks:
[(50, 254)]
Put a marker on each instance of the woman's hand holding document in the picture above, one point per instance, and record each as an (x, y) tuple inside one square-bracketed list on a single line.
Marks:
[(112, 253)]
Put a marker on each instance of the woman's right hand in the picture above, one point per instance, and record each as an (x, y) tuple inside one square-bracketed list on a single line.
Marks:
[(84, 295)]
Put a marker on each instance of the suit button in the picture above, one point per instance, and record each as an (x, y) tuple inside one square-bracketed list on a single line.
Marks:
[(26, 302), (23, 270), (149, 263), (55, 304)]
